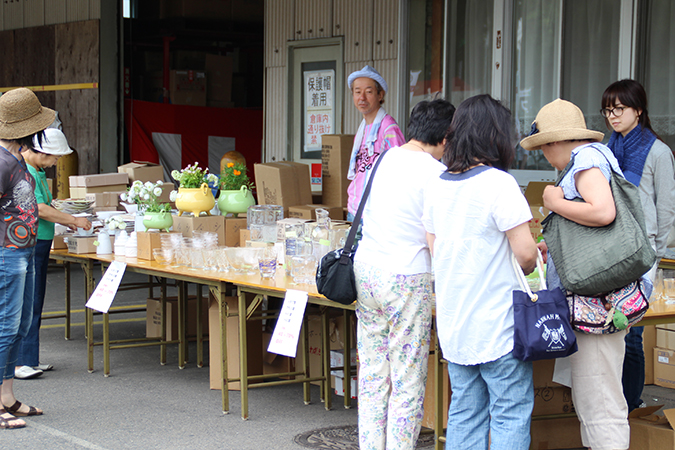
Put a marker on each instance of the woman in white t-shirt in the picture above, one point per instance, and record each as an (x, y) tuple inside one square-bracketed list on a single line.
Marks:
[(476, 216), (392, 267)]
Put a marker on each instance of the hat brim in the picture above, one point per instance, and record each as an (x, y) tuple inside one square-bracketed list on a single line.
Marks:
[(27, 127), (535, 141)]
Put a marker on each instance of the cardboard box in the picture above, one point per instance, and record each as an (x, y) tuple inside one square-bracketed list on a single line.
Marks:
[(308, 212), (218, 79), (649, 431), (664, 367), (97, 209), (429, 418), (153, 323), (337, 358), (244, 235), (83, 191), (253, 341), (147, 242), (336, 151), (542, 373), (648, 344), (142, 171), (81, 244), (549, 434), (233, 227), (339, 377), (50, 186), (103, 199), (552, 400), (283, 183), (188, 225), (273, 363), (58, 243), (188, 87), (101, 179), (533, 194), (665, 339)]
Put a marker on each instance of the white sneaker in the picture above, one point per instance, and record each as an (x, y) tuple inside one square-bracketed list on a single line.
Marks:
[(26, 372), (43, 367)]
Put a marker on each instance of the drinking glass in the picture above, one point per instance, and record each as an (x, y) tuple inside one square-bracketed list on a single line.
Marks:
[(267, 262), (669, 290), (304, 269)]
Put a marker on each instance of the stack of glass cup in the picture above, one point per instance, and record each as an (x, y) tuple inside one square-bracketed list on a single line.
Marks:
[(198, 252), (261, 221)]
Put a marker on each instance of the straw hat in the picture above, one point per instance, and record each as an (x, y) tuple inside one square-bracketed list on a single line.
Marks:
[(367, 72), (21, 114), (558, 121), (53, 143)]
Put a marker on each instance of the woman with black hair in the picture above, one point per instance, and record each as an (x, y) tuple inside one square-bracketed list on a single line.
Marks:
[(393, 278), (648, 163), (476, 216)]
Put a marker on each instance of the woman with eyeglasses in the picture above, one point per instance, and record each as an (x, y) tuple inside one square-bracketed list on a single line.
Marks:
[(648, 163)]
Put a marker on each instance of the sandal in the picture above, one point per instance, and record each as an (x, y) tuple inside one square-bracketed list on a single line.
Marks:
[(7, 423), (14, 409)]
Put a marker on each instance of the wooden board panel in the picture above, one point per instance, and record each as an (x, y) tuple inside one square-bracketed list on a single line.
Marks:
[(354, 20), (313, 19), (77, 10), (385, 34), (77, 61), (12, 15), (7, 71), (279, 29)]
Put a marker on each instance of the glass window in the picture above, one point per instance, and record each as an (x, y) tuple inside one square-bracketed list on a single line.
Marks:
[(469, 48), (425, 51), (656, 65), (590, 56), (535, 70)]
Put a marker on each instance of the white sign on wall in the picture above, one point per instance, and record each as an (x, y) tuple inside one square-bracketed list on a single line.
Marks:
[(319, 107)]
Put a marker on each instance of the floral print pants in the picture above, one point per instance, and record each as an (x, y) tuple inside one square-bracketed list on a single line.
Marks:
[(394, 323)]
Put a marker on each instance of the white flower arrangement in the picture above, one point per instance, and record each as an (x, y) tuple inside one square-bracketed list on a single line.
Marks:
[(116, 222), (146, 196)]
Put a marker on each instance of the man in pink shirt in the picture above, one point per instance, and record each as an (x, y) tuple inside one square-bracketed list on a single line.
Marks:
[(378, 131)]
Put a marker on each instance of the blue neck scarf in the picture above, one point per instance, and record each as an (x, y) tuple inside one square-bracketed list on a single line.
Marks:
[(631, 151)]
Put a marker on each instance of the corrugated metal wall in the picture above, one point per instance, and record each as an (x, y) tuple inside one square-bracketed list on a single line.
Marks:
[(370, 32), (35, 13)]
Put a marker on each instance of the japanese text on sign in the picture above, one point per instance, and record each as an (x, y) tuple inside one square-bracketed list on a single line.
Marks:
[(319, 110), (287, 331), (104, 294)]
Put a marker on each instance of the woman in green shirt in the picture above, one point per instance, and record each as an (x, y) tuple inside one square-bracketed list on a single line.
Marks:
[(54, 145)]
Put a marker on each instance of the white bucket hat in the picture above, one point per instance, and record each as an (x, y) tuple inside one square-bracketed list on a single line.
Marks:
[(53, 143), (367, 72)]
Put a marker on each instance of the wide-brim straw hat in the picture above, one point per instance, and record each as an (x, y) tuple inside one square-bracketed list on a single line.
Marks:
[(21, 114), (53, 143), (559, 121)]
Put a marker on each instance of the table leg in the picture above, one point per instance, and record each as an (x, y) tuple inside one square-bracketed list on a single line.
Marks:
[(88, 268), (347, 368), (304, 349), (182, 344), (325, 355), (438, 395), (219, 293), (162, 348), (66, 265), (243, 356), (200, 337), (106, 345)]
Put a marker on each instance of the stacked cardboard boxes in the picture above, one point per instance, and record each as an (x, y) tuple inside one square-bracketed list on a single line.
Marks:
[(664, 356), (81, 185)]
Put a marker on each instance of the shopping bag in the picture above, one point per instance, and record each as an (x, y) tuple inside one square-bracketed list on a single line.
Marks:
[(542, 328)]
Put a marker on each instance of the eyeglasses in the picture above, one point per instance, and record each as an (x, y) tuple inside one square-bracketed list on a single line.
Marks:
[(617, 111)]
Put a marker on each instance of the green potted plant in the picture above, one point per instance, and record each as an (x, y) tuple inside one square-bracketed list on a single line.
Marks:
[(235, 189), (147, 197), (194, 194)]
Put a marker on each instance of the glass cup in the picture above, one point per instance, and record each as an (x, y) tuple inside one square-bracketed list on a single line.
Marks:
[(669, 290), (304, 269), (267, 262), (162, 256)]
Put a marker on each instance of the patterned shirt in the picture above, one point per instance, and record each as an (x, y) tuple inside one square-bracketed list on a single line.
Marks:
[(18, 227), (388, 136)]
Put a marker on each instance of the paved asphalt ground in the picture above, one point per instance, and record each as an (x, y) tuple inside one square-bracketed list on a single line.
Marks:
[(149, 406)]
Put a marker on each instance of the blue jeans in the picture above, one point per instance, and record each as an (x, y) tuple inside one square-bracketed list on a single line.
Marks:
[(29, 353), (17, 277), (495, 398), (633, 378)]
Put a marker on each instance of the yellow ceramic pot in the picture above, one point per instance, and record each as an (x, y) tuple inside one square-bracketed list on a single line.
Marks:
[(195, 200)]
